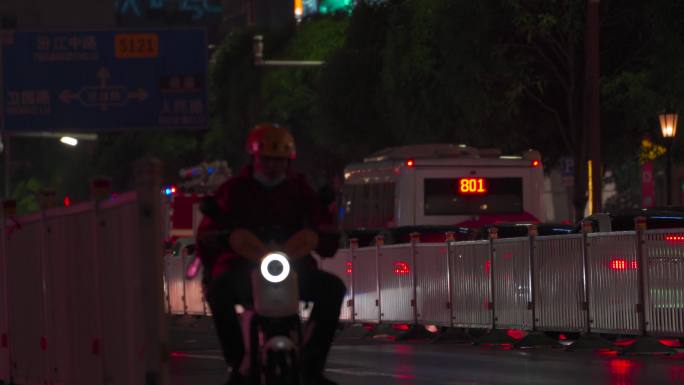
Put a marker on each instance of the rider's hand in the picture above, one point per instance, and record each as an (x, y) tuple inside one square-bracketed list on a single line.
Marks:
[(301, 244), (247, 244)]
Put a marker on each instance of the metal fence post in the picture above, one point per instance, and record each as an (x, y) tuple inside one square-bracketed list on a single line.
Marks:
[(46, 201), (8, 210), (587, 340), (185, 282), (493, 235), (587, 227), (353, 245), (148, 185), (379, 242), (415, 238), (644, 344), (99, 319), (450, 301), (642, 273), (534, 338), (532, 305), (167, 294), (494, 336)]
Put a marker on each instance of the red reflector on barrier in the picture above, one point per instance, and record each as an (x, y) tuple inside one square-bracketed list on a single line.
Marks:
[(562, 337), (43, 343), (622, 264), (349, 268), (618, 264), (401, 268)]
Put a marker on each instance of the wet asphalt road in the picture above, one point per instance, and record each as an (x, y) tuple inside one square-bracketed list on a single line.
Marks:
[(196, 359)]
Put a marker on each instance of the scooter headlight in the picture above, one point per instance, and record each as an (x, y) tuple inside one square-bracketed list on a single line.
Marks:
[(275, 267)]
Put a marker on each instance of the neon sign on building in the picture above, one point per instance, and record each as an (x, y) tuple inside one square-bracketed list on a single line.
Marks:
[(199, 9)]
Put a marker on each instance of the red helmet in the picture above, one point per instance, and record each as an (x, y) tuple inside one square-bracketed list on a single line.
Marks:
[(270, 139)]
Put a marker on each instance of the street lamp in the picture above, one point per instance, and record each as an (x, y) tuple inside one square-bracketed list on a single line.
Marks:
[(668, 127), (68, 140)]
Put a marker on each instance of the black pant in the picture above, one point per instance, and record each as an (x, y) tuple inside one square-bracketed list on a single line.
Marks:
[(325, 290)]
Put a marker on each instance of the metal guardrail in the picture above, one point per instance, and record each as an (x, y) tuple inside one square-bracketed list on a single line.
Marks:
[(559, 301), (664, 253), (529, 283), (79, 298)]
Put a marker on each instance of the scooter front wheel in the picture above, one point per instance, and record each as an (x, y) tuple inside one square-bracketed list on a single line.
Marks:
[(281, 368)]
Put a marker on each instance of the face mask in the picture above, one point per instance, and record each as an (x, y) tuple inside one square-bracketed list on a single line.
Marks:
[(268, 182)]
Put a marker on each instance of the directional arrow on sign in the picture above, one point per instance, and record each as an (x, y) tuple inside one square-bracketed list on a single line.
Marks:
[(103, 74), (67, 96)]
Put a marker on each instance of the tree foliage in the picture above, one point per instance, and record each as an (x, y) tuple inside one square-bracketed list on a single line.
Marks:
[(490, 73)]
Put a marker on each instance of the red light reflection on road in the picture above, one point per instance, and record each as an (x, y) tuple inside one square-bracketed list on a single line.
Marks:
[(677, 374), (401, 327), (621, 371), (607, 353), (516, 334), (671, 343), (624, 343), (405, 366)]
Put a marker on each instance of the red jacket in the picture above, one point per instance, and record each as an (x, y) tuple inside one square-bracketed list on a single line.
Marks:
[(272, 214)]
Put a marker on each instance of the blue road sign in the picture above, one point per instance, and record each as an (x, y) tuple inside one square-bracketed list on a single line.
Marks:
[(104, 80)]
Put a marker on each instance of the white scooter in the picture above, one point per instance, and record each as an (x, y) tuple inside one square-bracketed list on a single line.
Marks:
[(272, 328)]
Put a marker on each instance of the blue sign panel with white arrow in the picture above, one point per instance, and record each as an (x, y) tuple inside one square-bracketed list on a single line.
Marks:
[(104, 80)]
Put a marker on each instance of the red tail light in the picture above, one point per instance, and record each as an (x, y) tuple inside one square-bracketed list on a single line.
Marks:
[(410, 163), (674, 238), (536, 163), (67, 201), (401, 268)]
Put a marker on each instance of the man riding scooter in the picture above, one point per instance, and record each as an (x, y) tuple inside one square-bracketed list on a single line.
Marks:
[(267, 207)]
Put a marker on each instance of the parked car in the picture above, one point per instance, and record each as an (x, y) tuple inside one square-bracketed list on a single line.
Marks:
[(513, 230), (623, 220)]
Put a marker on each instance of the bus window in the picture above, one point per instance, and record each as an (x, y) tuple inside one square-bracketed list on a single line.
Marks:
[(368, 206), (473, 196), (381, 204), (387, 204)]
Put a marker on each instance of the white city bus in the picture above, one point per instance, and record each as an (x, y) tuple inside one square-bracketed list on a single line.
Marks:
[(442, 185)]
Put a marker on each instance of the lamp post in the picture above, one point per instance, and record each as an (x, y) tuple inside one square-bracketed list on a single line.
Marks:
[(668, 127)]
